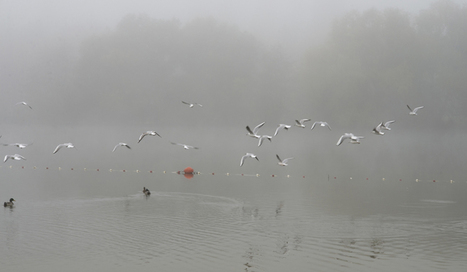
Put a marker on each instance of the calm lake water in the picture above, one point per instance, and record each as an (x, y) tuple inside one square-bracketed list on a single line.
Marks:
[(75, 220), (345, 208)]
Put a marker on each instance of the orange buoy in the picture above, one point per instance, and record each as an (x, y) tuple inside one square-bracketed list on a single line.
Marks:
[(188, 170)]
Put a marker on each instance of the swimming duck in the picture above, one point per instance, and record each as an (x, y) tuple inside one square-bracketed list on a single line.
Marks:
[(146, 191), (9, 204)]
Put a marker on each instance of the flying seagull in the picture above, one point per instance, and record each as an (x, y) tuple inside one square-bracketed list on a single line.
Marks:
[(185, 146), (191, 104), (18, 145), (261, 139), (67, 145), (414, 111), (254, 133), (321, 123), (377, 129), (150, 133), (299, 123), (16, 157), (121, 144), (282, 162), (284, 126), (23, 103), (248, 155), (353, 139), (386, 125)]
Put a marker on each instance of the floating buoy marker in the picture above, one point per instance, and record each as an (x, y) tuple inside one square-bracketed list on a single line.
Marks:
[(188, 170)]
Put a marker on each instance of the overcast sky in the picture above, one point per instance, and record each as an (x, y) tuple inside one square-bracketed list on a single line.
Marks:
[(272, 20), (27, 27)]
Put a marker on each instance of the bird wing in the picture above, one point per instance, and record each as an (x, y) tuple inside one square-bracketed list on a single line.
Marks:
[(342, 138), (142, 136), (389, 122), (326, 124), (286, 160), (378, 127), (255, 130), (261, 139), (277, 130), (279, 127), (116, 147), (313, 126), (24, 103), (58, 148), (277, 156), (417, 108), (409, 108), (260, 142), (249, 130), (243, 159), (6, 158), (19, 156)]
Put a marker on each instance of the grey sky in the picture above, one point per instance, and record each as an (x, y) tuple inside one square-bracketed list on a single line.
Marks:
[(294, 25), (272, 19)]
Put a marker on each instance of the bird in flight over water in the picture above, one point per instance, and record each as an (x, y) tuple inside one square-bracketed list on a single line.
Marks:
[(414, 111), (321, 123), (282, 162), (150, 133), (121, 144), (300, 123), (191, 104), (67, 145), (281, 126), (15, 157), (248, 155), (353, 139), (24, 103), (254, 133), (185, 146)]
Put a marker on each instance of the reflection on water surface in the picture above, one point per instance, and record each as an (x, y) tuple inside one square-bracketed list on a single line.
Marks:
[(220, 223)]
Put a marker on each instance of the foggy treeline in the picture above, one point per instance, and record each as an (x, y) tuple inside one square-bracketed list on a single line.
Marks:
[(371, 65), (375, 60)]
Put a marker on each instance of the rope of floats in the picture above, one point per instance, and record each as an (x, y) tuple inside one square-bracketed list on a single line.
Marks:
[(189, 173)]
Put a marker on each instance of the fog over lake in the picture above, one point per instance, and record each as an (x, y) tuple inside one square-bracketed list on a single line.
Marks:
[(99, 74)]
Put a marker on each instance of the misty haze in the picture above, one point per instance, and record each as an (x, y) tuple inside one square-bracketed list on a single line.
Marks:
[(356, 162)]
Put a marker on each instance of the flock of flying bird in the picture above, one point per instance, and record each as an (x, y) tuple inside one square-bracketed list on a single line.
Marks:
[(70, 145), (353, 139), (378, 130), (254, 134)]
